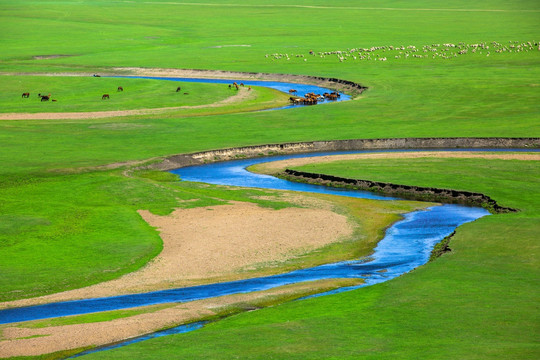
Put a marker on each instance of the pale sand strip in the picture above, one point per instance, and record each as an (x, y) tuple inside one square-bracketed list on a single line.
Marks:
[(278, 166), (215, 242)]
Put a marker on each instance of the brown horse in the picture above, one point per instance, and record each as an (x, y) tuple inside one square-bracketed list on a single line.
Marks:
[(292, 91), (45, 97), (26, 95), (105, 96), (120, 88)]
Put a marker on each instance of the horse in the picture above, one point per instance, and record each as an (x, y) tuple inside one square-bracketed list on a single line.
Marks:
[(242, 84), (292, 91), (120, 88), (26, 95), (332, 96), (178, 89), (45, 97), (105, 96)]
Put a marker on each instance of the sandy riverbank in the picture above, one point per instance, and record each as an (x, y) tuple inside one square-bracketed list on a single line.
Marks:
[(210, 244)]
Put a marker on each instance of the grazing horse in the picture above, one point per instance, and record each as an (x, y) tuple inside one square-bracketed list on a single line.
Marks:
[(292, 91), (178, 89), (120, 88), (105, 96), (45, 97), (26, 95), (242, 84)]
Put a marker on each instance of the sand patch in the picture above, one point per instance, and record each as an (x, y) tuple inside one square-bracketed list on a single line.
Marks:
[(203, 245)]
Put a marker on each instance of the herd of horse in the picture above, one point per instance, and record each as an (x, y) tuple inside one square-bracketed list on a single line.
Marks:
[(312, 98), (48, 97)]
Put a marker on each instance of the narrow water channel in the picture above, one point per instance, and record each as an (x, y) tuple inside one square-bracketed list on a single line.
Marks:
[(406, 245)]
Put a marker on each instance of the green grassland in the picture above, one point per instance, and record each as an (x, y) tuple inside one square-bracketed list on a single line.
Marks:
[(84, 94), (477, 302), (65, 223)]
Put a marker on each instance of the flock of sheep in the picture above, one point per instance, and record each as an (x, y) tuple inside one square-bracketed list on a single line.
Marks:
[(434, 51)]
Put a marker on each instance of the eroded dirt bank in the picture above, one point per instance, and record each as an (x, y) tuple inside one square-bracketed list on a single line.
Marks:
[(181, 160), (281, 169)]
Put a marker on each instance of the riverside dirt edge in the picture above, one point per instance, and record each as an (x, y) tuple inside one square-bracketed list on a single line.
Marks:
[(409, 192), (404, 191), (235, 153)]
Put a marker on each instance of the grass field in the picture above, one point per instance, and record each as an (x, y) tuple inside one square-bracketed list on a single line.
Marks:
[(84, 94), (64, 223), (477, 302)]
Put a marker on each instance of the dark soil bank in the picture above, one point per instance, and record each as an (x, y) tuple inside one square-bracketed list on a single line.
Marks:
[(402, 191)]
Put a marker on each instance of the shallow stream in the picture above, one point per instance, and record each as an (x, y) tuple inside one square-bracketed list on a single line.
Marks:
[(406, 245)]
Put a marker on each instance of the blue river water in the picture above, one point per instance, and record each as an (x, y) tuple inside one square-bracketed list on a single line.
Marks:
[(407, 244), (301, 89)]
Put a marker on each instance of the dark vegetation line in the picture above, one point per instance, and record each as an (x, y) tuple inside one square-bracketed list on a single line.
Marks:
[(410, 192)]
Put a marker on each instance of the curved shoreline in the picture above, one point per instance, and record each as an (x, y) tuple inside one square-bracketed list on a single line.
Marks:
[(197, 158), (409, 192)]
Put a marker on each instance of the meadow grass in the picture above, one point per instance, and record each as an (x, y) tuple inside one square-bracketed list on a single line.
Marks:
[(54, 203), (72, 242), (84, 94), (476, 302), (81, 229)]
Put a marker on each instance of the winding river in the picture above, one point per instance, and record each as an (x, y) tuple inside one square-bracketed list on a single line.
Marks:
[(406, 245)]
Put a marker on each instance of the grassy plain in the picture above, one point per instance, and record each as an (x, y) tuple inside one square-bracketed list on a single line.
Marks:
[(60, 214), (476, 302)]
